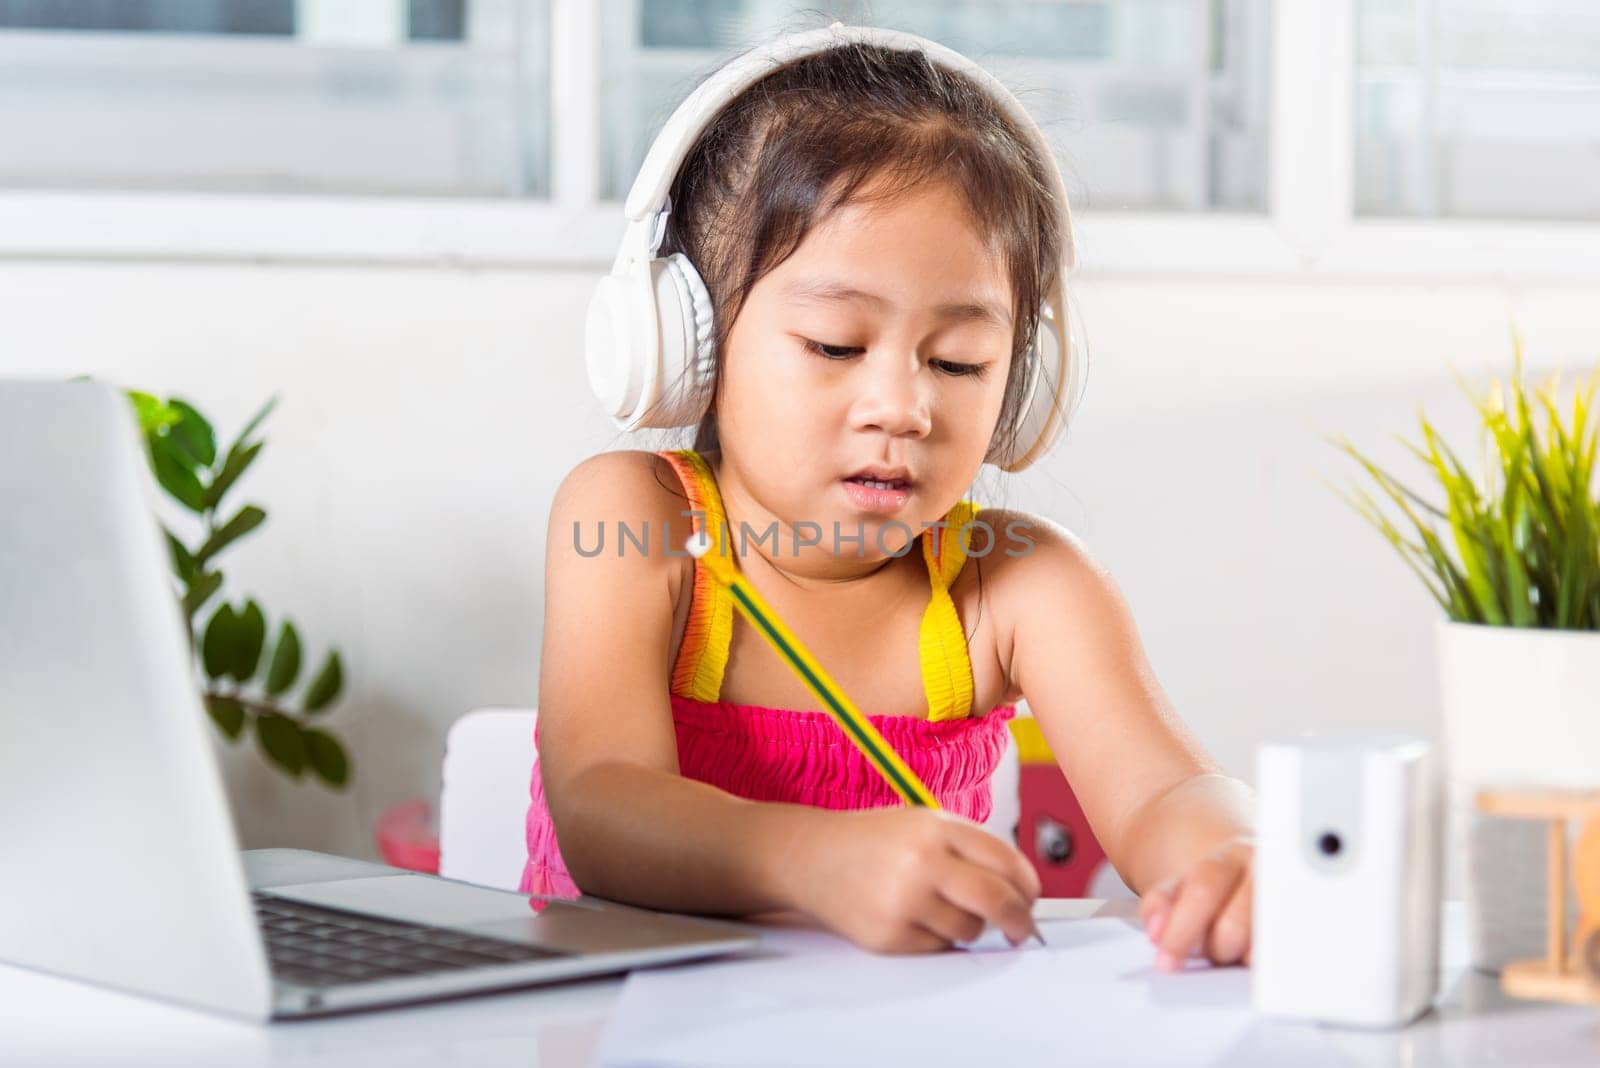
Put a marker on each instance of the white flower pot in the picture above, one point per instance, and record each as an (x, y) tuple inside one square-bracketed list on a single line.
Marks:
[(1521, 709)]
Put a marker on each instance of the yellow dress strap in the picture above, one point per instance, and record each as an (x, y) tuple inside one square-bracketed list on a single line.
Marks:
[(703, 654), (942, 644)]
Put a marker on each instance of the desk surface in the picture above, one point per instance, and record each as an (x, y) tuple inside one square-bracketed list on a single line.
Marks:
[(46, 1020)]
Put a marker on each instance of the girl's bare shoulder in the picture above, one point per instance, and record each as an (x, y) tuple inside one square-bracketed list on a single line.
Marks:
[(629, 498), (625, 484), (1023, 555)]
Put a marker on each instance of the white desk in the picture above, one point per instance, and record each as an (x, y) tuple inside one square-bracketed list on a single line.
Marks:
[(47, 1021)]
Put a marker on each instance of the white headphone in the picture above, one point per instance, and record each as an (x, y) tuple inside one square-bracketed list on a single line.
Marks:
[(649, 337)]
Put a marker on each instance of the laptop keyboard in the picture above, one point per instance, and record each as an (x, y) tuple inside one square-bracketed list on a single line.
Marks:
[(316, 946)]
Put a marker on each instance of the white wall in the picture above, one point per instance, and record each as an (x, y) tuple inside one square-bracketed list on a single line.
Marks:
[(428, 415)]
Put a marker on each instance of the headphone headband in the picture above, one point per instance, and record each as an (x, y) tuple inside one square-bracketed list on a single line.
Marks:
[(649, 329), (648, 194)]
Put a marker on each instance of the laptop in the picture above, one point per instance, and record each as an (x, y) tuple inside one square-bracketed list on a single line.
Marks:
[(118, 859)]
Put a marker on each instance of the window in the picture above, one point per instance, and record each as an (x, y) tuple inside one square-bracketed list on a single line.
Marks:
[(1478, 109), (415, 97), (1150, 104), (1259, 137)]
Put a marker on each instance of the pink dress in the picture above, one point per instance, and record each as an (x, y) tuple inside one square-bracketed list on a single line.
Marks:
[(804, 757)]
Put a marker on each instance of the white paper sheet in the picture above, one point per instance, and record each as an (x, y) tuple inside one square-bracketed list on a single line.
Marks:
[(1091, 996)]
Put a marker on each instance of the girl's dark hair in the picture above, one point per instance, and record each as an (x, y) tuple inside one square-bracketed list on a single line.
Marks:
[(806, 138)]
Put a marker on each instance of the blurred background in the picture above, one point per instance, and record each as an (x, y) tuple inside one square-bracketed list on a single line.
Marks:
[(1295, 217)]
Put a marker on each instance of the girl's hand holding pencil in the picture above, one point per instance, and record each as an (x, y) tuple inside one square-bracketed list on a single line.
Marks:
[(911, 880), (893, 880)]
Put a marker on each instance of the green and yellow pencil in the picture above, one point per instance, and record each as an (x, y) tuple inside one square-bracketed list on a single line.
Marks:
[(856, 726)]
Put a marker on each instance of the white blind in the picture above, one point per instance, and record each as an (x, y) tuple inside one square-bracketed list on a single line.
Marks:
[(415, 97), (1478, 109), (1150, 104)]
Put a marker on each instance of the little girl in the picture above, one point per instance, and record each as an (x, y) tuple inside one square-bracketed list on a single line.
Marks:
[(874, 234)]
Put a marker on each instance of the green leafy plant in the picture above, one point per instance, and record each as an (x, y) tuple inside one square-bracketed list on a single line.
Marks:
[(246, 689), (1519, 547)]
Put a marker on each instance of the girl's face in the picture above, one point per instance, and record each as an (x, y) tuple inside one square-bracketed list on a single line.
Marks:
[(878, 351)]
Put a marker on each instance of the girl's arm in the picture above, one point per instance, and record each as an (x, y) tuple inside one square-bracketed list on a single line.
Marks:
[(630, 827), (1175, 828), (633, 829)]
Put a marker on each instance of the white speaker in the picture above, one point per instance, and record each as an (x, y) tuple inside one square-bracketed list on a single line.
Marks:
[(1346, 925)]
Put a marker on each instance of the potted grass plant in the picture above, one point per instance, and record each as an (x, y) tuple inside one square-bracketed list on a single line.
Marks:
[(1512, 555)]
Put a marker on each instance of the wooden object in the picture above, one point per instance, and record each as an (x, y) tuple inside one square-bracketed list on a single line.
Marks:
[(1570, 971)]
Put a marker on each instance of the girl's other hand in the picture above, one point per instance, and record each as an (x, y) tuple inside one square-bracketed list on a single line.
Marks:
[(912, 880), (1205, 911)]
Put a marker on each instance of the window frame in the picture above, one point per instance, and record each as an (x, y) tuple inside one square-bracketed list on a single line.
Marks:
[(1308, 229)]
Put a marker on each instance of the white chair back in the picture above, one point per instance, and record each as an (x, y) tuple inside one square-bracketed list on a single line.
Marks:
[(483, 800)]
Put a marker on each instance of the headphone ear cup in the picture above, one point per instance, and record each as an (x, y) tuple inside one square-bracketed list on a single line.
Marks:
[(612, 347), (1046, 404), (687, 370)]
